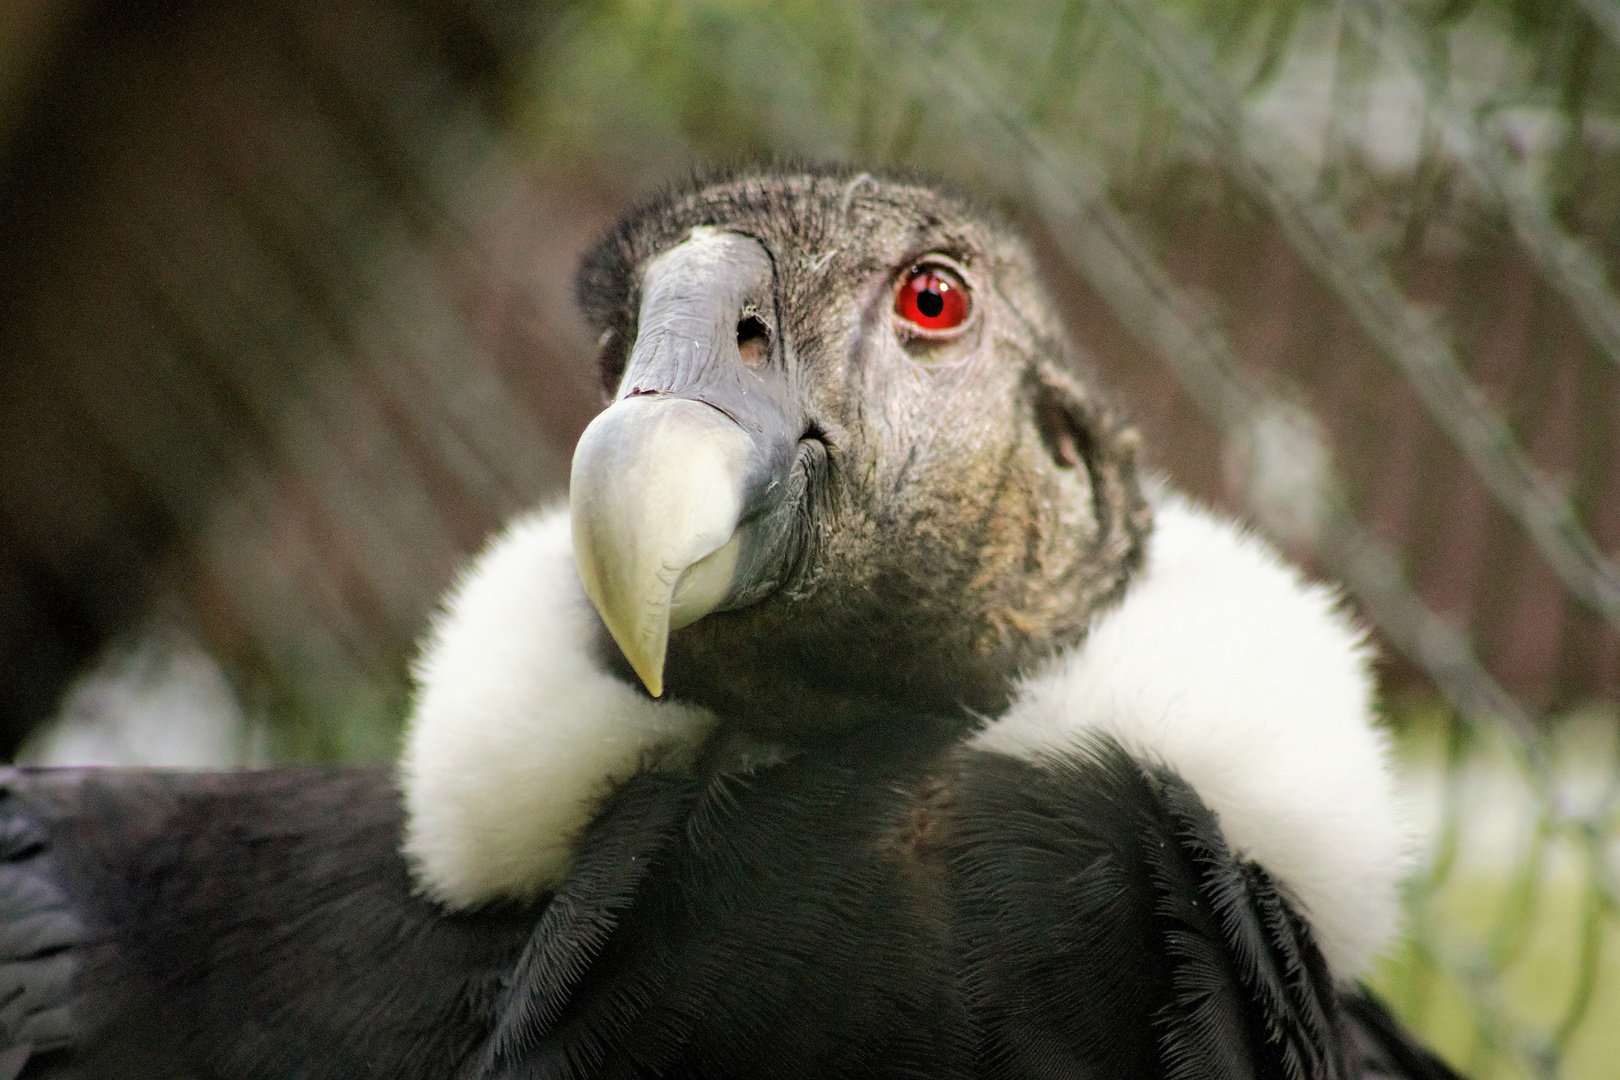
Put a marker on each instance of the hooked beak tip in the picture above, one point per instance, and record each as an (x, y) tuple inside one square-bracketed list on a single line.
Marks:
[(651, 673), (655, 497)]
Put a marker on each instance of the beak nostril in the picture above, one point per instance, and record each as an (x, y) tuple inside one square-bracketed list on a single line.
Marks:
[(753, 340)]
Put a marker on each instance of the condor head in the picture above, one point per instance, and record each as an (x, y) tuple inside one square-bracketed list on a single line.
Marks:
[(850, 464)]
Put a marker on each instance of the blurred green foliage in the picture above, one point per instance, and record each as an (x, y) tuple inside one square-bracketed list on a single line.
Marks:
[(1510, 965), (643, 86)]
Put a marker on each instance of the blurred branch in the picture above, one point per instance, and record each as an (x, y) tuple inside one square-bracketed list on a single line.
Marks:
[(1564, 261), (1606, 13), (1321, 236), (1567, 264)]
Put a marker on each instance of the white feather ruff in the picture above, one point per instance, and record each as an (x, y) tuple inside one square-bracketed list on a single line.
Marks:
[(1219, 661), (1251, 684), (518, 734)]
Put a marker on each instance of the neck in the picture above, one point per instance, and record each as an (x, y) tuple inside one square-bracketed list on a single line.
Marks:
[(1218, 661)]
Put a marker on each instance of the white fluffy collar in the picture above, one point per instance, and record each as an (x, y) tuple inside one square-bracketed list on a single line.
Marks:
[(1219, 661), (517, 734), (1253, 685)]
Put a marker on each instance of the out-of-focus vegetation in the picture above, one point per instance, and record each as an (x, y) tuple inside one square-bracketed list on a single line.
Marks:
[(643, 86), (1510, 966)]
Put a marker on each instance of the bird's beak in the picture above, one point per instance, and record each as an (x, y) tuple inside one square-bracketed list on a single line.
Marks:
[(657, 494), (679, 493)]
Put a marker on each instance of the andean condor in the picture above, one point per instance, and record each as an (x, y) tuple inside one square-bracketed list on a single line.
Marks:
[(898, 729)]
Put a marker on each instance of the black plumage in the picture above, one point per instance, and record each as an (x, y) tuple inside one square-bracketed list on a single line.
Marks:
[(1096, 890), (836, 880), (242, 924), (864, 910)]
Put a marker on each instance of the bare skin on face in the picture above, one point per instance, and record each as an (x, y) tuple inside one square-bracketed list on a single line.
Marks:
[(930, 446)]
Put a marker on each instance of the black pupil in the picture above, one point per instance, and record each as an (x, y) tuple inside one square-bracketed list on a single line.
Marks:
[(930, 302)]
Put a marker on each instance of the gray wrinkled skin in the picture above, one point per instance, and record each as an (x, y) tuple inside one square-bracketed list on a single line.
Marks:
[(946, 538)]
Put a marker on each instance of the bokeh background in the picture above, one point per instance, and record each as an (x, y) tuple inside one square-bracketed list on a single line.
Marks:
[(286, 328)]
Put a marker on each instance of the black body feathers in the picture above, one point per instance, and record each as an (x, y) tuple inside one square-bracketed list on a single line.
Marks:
[(1097, 887), (234, 925), (871, 909)]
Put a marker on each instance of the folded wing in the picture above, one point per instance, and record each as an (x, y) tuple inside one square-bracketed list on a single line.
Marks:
[(241, 924), (1108, 929)]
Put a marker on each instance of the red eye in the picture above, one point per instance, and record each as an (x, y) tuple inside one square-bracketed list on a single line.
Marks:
[(932, 298)]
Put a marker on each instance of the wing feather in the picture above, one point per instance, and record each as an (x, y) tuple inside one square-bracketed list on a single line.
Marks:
[(1111, 930)]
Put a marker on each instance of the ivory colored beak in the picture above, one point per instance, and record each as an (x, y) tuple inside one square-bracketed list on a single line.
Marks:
[(655, 496)]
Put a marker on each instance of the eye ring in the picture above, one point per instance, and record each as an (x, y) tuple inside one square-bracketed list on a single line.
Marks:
[(932, 300)]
